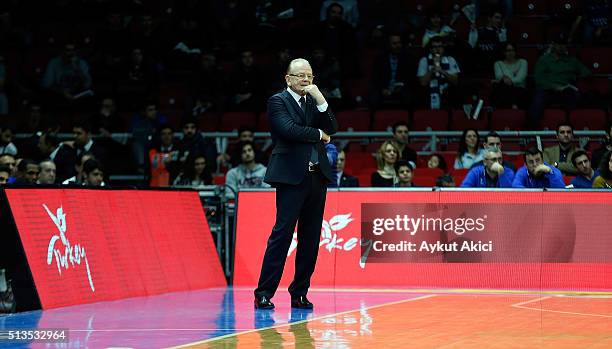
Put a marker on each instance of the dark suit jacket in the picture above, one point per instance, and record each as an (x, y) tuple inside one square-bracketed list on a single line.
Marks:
[(347, 181), (294, 132)]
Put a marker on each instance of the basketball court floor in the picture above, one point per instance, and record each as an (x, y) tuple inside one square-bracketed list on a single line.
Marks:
[(342, 318)]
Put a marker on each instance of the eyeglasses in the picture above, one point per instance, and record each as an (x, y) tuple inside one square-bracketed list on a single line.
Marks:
[(303, 76), (494, 159)]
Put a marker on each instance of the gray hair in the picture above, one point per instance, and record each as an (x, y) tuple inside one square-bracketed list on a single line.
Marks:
[(297, 61)]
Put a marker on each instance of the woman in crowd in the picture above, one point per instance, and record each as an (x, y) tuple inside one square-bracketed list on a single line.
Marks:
[(470, 151), (385, 158), (604, 180), (509, 86), (195, 172)]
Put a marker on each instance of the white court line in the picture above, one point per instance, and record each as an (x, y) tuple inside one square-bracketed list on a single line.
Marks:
[(299, 322), (520, 305)]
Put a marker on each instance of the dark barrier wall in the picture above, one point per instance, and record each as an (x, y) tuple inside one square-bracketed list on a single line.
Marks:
[(86, 245), (515, 240)]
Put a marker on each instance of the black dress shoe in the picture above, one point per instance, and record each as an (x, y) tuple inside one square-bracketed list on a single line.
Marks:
[(263, 302), (300, 302)]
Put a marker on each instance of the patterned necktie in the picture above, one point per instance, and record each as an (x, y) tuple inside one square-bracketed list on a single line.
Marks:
[(303, 103)]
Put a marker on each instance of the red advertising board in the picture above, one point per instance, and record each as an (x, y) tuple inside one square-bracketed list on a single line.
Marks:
[(86, 245), (524, 240)]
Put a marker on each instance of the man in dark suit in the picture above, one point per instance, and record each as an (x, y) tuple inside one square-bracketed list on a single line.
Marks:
[(300, 123), (344, 180)]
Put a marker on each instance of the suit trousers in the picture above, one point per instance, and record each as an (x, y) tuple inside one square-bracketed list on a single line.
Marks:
[(302, 204)]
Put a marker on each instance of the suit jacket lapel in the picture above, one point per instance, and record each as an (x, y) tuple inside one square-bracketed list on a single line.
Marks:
[(297, 110)]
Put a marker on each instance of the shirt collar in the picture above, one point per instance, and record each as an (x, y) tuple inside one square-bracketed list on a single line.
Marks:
[(88, 145), (294, 95)]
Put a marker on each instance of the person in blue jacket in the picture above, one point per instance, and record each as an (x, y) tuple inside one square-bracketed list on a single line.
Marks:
[(536, 173), (491, 174)]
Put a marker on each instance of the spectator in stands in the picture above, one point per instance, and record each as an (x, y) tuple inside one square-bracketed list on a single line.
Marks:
[(435, 27), (137, 78), (438, 73), (47, 172), (206, 85), (8, 160), (83, 141), (404, 172), (106, 120), (586, 174), (393, 76), (249, 174), (67, 77), (4, 105), (604, 148), (487, 41), (163, 159), (604, 180), (492, 175), (437, 161), (445, 181), (509, 85), (246, 134), (77, 179), (64, 157), (6, 141), (338, 39), (536, 173), (328, 75), (93, 173), (5, 174), (596, 21), (556, 73), (493, 140), (27, 172), (195, 172), (470, 151), (344, 180), (332, 156), (246, 85), (194, 143), (560, 155), (279, 68), (387, 156), (350, 11), (144, 125), (401, 138)]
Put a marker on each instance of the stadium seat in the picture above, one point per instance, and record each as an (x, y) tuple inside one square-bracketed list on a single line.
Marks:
[(436, 120), (424, 181), (234, 120), (357, 90), (172, 96), (175, 117), (263, 123), (508, 119), (551, 118), (588, 119), (208, 122), (461, 122), (530, 7), (526, 31), (428, 172), (459, 175), (599, 85), (597, 59), (564, 7), (358, 120), (384, 119)]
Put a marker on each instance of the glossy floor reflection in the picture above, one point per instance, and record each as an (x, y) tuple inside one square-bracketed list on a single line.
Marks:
[(225, 318)]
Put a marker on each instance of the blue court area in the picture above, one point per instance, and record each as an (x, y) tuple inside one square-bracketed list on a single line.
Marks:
[(183, 318)]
